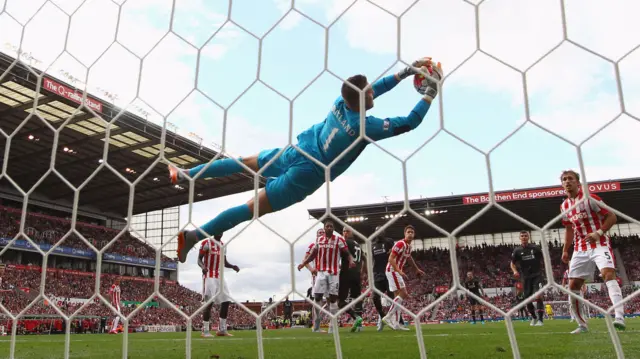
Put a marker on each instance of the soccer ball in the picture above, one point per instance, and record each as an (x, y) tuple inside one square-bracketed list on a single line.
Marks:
[(421, 83)]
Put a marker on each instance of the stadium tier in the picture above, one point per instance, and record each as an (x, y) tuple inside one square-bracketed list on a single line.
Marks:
[(102, 201), (536, 205), (134, 144)]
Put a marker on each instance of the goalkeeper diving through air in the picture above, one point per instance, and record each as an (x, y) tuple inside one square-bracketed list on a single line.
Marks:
[(292, 176)]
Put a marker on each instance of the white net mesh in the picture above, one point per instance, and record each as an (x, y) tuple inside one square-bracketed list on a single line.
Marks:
[(137, 53)]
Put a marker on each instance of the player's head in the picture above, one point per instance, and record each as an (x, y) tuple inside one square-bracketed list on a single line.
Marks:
[(524, 238), (320, 233), (328, 227), (470, 274), (117, 280), (570, 180), (409, 233), (351, 96), (347, 233)]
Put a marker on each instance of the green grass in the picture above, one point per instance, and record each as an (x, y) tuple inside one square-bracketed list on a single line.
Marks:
[(441, 341)]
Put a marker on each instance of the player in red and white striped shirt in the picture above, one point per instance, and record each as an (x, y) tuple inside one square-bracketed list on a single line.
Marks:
[(326, 253), (586, 225), (209, 261), (312, 269), (312, 266), (400, 254), (114, 294)]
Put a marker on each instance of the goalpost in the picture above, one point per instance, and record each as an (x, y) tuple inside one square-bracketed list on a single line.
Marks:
[(89, 106)]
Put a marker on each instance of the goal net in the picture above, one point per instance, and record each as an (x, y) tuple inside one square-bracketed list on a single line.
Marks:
[(97, 97)]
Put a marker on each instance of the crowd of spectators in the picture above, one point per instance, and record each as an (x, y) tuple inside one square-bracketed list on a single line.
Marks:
[(21, 282), (42, 228)]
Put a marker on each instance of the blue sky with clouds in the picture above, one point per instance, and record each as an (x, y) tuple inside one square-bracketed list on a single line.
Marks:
[(571, 93)]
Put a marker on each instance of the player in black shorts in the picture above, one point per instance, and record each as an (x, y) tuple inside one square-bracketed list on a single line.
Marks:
[(381, 250), (526, 264), (473, 285), (522, 313), (350, 282)]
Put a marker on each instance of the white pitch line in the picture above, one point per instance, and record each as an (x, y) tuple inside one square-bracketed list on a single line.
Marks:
[(309, 338)]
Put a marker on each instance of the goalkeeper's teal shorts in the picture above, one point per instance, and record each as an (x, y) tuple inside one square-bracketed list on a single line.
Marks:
[(290, 178)]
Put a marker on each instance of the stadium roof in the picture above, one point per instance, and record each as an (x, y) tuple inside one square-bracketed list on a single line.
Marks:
[(537, 205), (134, 145)]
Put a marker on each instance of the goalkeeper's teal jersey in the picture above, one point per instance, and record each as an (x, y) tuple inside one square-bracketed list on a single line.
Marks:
[(325, 141)]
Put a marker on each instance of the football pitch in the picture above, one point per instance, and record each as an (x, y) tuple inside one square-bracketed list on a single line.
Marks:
[(441, 341)]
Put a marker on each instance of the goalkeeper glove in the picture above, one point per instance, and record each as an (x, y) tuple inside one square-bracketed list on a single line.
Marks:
[(429, 86), (408, 71)]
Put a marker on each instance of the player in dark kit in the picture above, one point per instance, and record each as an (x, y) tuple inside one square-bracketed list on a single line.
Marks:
[(519, 299), (381, 249), (525, 264), (350, 283), (473, 285)]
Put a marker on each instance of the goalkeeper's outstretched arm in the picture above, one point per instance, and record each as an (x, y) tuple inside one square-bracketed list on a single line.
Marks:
[(379, 129), (387, 83)]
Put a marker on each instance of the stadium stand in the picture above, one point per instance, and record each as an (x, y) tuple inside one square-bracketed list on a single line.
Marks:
[(103, 203)]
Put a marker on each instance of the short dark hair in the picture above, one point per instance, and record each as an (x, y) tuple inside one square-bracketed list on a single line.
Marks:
[(328, 221), (409, 227), (350, 95), (574, 173)]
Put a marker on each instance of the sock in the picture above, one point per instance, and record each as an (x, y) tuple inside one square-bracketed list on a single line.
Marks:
[(223, 325), (205, 327), (352, 314), (576, 309), (358, 309), (481, 316), (540, 311), (378, 303), (114, 325), (219, 168), (473, 315), (393, 311), (226, 220), (531, 310), (615, 294), (317, 316), (333, 308)]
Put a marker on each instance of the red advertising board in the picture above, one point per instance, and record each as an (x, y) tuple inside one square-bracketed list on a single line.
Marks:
[(68, 93), (537, 193)]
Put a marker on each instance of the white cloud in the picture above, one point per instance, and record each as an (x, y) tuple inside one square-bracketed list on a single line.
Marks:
[(68, 6), (124, 81), (84, 43), (22, 11), (172, 56), (49, 43), (378, 36), (610, 30), (197, 20), (519, 31), (142, 24), (431, 27)]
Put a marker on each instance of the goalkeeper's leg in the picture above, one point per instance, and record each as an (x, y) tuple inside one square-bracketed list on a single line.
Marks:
[(228, 166), (300, 179)]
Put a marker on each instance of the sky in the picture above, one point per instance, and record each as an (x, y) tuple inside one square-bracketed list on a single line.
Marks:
[(186, 62)]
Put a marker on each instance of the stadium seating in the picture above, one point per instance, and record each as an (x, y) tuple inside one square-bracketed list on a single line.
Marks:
[(21, 281)]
